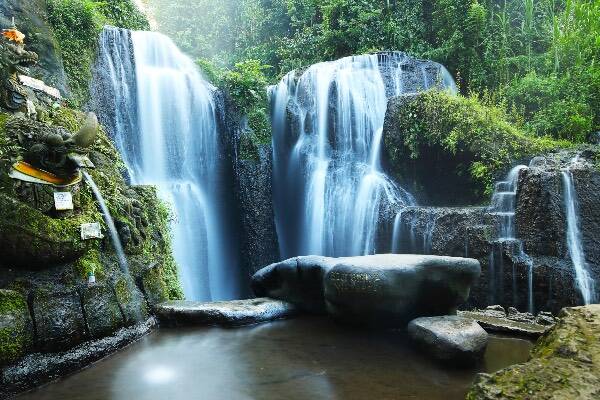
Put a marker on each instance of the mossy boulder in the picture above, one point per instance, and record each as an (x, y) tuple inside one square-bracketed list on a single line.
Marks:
[(34, 240), (449, 149), (565, 363), (16, 329)]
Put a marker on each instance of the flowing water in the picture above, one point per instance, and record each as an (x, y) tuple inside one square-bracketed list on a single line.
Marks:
[(164, 123), (584, 281), (504, 202), (110, 223), (305, 358), (329, 187)]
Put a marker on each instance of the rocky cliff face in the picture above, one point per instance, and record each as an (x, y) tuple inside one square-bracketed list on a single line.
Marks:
[(253, 193), (540, 224), (46, 303)]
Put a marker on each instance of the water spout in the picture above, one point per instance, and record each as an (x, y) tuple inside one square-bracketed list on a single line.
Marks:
[(110, 223)]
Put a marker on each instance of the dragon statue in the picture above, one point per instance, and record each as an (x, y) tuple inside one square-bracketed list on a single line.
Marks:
[(14, 60)]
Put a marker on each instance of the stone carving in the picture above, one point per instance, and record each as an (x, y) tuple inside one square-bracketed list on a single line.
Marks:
[(14, 60), (52, 149)]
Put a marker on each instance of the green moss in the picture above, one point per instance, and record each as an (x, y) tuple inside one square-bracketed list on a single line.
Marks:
[(15, 336), (90, 263), (466, 139)]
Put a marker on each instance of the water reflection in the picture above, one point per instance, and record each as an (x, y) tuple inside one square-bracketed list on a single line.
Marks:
[(307, 358)]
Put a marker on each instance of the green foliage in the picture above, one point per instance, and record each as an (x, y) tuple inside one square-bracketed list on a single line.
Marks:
[(246, 85), (509, 49), (478, 137), (76, 25)]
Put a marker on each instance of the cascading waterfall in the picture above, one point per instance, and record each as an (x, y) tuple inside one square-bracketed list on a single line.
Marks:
[(164, 123), (585, 282), (503, 207), (329, 187)]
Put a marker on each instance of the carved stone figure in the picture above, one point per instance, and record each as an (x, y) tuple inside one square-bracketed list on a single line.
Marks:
[(53, 149), (14, 60)]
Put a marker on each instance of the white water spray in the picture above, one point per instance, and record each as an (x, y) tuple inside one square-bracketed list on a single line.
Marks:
[(164, 123), (329, 187)]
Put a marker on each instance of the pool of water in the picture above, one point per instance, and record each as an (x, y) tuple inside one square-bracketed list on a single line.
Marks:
[(309, 358)]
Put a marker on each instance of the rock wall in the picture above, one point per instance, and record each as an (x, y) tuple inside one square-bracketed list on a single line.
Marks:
[(46, 303), (540, 223), (253, 192)]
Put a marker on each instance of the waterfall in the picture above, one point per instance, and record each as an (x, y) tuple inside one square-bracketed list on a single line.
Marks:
[(329, 186), (584, 281), (504, 201), (162, 116)]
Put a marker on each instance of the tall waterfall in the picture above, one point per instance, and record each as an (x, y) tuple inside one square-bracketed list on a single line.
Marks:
[(585, 282), (329, 187), (164, 123)]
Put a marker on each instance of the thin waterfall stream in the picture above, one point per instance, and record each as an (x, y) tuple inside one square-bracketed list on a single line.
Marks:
[(585, 283), (110, 223)]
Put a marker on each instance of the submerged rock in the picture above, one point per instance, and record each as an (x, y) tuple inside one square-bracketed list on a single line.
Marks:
[(385, 289), (565, 363), (450, 338), (228, 313)]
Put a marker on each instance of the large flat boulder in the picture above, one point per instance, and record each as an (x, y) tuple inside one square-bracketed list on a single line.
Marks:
[(298, 280), (387, 289), (226, 313), (565, 363), (450, 338)]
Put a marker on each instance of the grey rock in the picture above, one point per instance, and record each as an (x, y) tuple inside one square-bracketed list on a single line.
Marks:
[(227, 313), (298, 280), (58, 319), (131, 301), (387, 289), (453, 339), (492, 322), (391, 289), (102, 312)]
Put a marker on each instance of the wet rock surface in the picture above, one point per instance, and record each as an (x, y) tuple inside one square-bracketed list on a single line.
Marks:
[(226, 313), (455, 339), (565, 363), (379, 290), (496, 319), (39, 368)]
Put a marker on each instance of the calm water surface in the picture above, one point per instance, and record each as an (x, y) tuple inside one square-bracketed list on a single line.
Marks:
[(309, 358)]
